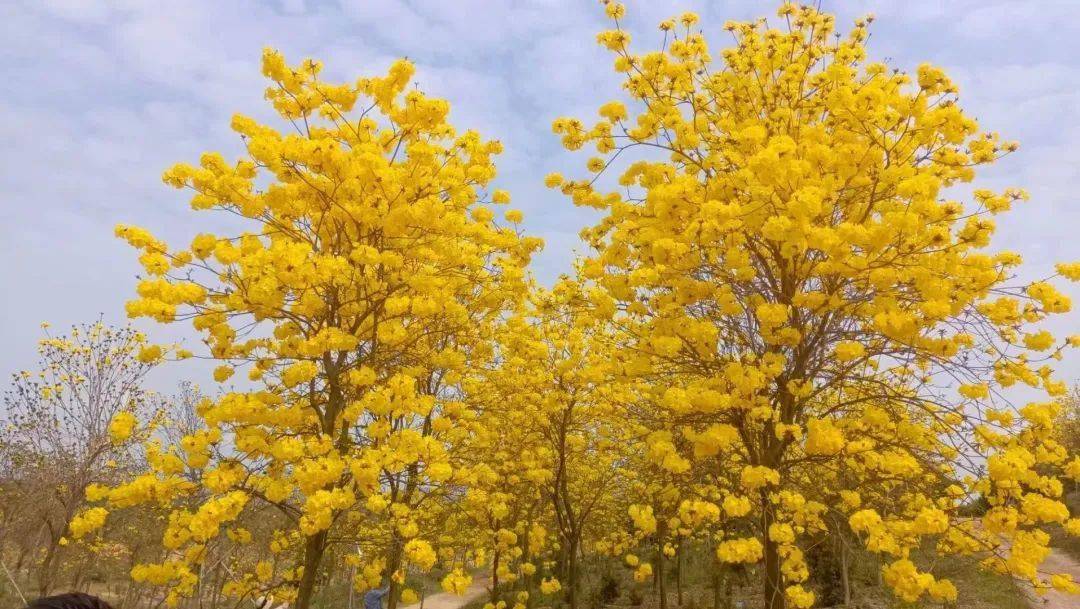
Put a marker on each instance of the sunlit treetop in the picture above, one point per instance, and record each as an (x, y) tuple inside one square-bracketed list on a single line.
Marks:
[(792, 253), (366, 283)]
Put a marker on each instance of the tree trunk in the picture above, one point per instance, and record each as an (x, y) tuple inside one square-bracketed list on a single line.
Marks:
[(844, 576), (199, 588), (526, 556), (562, 565), (729, 583), (572, 575), (717, 598), (495, 578), (397, 550), (352, 588), (678, 571), (772, 578), (314, 548), (23, 552), (48, 567), (215, 599), (661, 584)]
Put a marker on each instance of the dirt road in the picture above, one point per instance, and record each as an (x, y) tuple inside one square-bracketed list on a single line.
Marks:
[(1058, 562), (446, 600)]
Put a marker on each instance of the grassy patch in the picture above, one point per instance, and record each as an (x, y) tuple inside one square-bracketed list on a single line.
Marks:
[(979, 589), (1059, 539)]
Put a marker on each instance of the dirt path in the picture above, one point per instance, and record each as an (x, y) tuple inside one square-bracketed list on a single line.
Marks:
[(448, 600), (1057, 562)]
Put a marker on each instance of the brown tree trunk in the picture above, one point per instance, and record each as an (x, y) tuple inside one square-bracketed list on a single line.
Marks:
[(717, 598), (661, 585), (495, 578), (77, 579), (772, 578), (717, 576), (392, 565), (23, 553), (729, 583), (352, 588), (314, 548), (844, 576), (562, 564), (48, 567), (678, 572), (572, 575), (526, 556), (216, 598)]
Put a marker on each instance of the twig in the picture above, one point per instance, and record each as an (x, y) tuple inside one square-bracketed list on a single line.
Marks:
[(13, 584)]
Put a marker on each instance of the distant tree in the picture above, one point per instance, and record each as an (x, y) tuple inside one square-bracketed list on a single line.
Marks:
[(68, 426)]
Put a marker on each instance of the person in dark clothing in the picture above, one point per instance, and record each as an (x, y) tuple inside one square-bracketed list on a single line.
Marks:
[(373, 598), (71, 600)]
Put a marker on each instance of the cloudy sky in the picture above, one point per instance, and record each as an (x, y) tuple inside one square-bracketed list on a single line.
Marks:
[(98, 97)]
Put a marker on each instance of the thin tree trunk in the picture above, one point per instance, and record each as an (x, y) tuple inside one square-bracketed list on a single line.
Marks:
[(572, 579), (352, 588), (717, 598), (661, 584), (678, 571), (392, 566), (772, 578), (844, 576), (199, 589), (216, 598), (729, 583), (495, 578), (23, 552), (526, 556), (314, 548), (562, 564), (48, 567)]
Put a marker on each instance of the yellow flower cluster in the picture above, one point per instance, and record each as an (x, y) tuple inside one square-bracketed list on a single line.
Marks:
[(910, 584), (823, 438), (748, 550), (755, 477), (456, 581), (87, 521), (121, 427), (420, 553), (644, 520)]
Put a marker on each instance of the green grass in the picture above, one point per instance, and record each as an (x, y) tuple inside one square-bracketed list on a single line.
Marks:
[(1059, 539), (979, 589)]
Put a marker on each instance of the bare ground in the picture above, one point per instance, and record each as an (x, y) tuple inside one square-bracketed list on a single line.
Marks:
[(448, 600), (1057, 562)]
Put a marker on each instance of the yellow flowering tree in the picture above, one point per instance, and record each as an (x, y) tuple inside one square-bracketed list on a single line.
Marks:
[(425, 465), (577, 421), (788, 261), (370, 262), (503, 519), (70, 427)]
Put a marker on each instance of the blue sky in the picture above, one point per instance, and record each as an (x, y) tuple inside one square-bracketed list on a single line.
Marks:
[(98, 97)]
